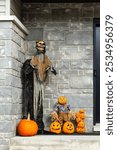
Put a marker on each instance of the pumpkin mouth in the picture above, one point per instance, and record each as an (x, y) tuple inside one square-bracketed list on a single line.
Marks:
[(70, 129), (56, 129)]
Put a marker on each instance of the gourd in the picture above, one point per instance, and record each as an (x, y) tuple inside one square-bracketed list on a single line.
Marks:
[(68, 127), (27, 127), (55, 127)]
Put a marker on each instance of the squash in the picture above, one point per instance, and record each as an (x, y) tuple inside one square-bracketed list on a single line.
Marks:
[(55, 127), (68, 127), (62, 100), (27, 127)]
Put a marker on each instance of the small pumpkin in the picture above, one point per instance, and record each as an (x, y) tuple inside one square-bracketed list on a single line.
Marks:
[(81, 124), (78, 119), (27, 127), (68, 127), (82, 114), (80, 130), (62, 100), (55, 127)]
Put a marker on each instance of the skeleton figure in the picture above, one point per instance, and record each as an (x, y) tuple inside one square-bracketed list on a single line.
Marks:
[(35, 72)]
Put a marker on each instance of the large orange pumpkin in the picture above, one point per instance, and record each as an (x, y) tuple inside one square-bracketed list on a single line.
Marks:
[(68, 127), (55, 127), (62, 100), (27, 127)]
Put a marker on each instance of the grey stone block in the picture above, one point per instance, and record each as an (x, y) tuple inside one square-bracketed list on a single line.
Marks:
[(86, 24), (10, 109), (85, 82), (6, 126), (86, 64), (62, 65), (6, 25), (67, 14), (53, 34), (2, 51), (46, 103), (5, 34), (16, 38), (87, 11), (79, 37), (35, 34), (5, 92), (80, 100), (13, 81)]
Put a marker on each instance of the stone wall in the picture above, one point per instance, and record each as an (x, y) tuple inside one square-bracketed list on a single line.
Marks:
[(12, 55), (2, 7), (67, 29)]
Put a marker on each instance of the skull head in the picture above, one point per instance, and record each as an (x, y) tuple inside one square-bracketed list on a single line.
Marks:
[(40, 46)]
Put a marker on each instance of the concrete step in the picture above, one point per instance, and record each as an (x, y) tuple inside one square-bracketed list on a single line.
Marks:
[(58, 142)]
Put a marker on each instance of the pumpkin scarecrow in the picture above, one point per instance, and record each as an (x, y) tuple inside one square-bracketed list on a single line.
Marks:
[(34, 74), (62, 112)]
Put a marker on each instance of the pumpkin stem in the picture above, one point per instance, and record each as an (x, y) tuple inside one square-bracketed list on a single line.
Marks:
[(28, 116)]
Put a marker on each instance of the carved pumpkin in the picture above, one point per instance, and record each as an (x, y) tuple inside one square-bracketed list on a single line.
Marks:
[(82, 114), (55, 127), (27, 127), (62, 100), (80, 130), (78, 119), (81, 124), (68, 127)]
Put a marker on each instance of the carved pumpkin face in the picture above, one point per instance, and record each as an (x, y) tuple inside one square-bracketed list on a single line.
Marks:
[(40, 45), (68, 127), (55, 127), (80, 130), (62, 100)]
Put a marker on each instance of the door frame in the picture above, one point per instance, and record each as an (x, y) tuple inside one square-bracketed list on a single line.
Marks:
[(96, 22)]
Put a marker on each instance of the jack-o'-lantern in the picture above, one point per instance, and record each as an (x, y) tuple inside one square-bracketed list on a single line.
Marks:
[(78, 119), (68, 127), (81, 124), (82, 114), (27, 127), (80, 130), (55, 127), (62, 100)]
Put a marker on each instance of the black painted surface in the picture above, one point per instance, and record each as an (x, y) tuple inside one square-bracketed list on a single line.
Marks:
[(96, 67)]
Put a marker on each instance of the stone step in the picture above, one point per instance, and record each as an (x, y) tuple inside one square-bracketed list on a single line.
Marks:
[(58, 142)]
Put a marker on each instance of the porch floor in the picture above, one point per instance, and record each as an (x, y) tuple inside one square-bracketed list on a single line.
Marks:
[(56, 142)]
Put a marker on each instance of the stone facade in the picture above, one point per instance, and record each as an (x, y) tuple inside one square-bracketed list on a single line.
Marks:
[(12, 55), (67, 29)]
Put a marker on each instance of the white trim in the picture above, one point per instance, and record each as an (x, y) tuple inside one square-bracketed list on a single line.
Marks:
[(96, 127), (8, 4), (16, 21)]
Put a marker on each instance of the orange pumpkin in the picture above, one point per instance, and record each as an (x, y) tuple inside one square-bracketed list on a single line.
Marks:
[(68, 127), (80, 130), (62, 100), (81, 124), (55, 127), (27, 127), (82, 114), (78, 119)]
